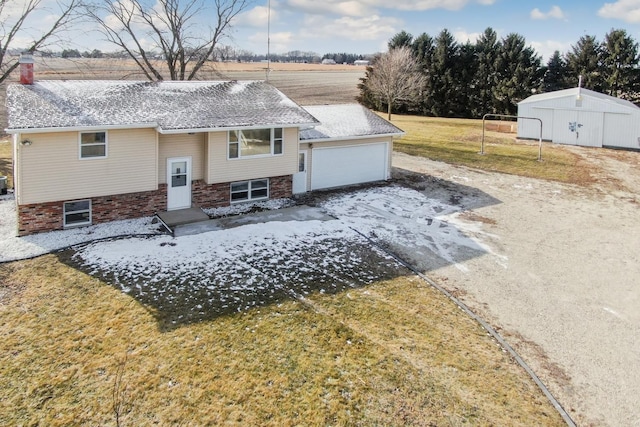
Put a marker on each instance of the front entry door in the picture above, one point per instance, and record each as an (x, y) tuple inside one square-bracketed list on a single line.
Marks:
[(178, 183), (300, 178)]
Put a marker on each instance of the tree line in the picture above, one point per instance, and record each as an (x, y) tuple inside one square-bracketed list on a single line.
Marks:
[(492, 75)]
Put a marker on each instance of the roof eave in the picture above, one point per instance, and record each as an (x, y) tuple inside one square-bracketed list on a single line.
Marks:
[(228, 128), (355, 137)]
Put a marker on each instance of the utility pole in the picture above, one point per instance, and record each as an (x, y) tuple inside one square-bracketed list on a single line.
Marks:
[(268, 39)]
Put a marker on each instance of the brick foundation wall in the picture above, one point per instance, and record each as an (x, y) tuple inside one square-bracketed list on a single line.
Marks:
[(39, 217), (281, 187)]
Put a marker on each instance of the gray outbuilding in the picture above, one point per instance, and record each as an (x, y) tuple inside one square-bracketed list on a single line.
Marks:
[(579, 116)]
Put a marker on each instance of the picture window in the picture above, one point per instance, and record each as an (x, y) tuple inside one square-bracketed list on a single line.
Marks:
[(255, 143)]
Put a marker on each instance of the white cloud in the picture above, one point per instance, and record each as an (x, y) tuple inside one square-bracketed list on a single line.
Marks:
[(462, 36), (363, 8), (335, 7), (625, 10), (280, 42), (547, 47), (554, 13), (349, 28), (256, 17)]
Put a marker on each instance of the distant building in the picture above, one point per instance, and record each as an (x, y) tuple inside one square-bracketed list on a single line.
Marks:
[(328, 61), (361, 62)]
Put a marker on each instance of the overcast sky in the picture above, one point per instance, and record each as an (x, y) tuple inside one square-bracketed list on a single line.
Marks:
[(365, 26)]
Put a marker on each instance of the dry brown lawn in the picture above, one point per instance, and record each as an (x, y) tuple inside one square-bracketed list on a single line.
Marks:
[(458, 142), (395, 353)]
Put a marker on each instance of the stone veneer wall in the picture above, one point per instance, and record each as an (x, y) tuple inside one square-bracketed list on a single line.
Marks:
[(39, 217)]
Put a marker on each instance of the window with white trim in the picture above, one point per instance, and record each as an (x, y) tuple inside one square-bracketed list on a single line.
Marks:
[(243, 191), (77, 213), (93, 145), (255, 142)]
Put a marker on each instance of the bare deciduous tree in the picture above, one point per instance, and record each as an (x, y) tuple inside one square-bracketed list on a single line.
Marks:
[(175, 29), (396, 77), (17, 31)]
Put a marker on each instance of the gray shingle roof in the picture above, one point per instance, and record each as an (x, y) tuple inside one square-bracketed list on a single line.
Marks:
[(346, 121), (169, 105)]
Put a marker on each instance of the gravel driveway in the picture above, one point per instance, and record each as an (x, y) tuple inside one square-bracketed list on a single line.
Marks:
[(559, 277)]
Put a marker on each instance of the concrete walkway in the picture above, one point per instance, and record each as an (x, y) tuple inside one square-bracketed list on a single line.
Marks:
[(296, 213)]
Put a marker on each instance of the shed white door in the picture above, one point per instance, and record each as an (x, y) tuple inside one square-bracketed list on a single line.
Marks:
[(178, 183), (590, 131), (565, 127), (300, 178), (354, 164)]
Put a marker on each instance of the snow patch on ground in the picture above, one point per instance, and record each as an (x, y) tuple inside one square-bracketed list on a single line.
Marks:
[(196, 277), (241, 208), (405, 218), (15, 248)]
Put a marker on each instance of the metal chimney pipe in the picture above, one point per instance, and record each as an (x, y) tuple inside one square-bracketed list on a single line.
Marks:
[(579, 86)]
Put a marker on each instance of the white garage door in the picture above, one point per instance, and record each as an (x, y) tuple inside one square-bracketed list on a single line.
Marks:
[(354, 164)]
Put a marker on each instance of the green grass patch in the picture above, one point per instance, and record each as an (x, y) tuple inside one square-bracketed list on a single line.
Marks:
[(393, 353), (458, 141)]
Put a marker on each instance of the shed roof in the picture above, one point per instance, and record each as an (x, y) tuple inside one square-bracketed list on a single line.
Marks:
[(346, 121), (573, 92), (168, 105)]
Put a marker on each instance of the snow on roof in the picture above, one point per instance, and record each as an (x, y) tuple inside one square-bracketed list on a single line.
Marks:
[(574, 92), (169, 105), (347, 120)]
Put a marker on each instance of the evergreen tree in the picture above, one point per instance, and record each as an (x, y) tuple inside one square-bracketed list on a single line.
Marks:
[(402, 39), (423, 50), (441, 79), (486, 74), (423, 47), (518, 74), (464, 75), (584, 60), (620, 62), (554, 73)]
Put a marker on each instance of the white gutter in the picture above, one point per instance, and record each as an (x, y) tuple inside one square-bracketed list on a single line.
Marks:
[(349, 138), (81, 128)]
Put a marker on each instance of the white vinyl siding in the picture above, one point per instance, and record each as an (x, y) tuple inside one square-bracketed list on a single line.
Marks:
[(50, 169), (181, 145), (222, 169)]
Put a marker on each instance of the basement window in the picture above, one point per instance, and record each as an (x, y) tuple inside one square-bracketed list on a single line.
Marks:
[(93, 145), (244, 191), (77, 213)]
